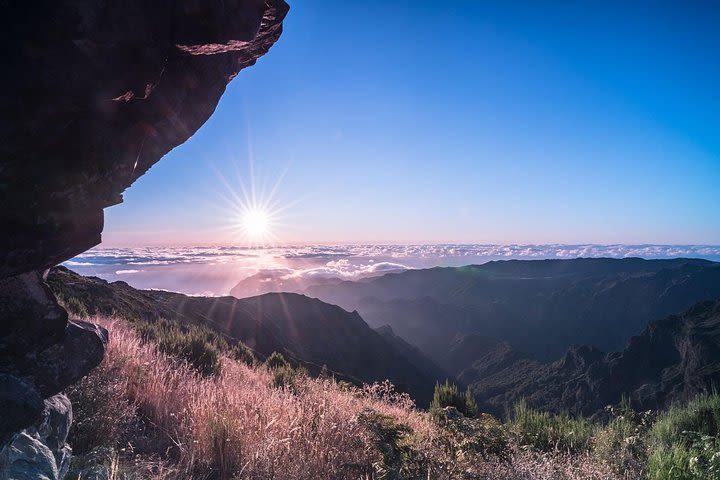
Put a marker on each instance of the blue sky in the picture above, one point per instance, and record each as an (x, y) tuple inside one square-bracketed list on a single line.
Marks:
[(458, 121)]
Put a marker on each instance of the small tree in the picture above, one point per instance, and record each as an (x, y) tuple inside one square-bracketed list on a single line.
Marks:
[(275, 361), (448, 395), (470, 404), (243, 354)]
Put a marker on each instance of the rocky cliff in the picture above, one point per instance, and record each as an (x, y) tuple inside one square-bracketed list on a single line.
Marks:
[(672, 360), (92, 95)]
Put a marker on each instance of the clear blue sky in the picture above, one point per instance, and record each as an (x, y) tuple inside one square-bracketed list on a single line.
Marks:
[(460, 121)]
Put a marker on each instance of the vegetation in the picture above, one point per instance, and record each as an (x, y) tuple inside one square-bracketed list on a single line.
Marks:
[(148, 411), (547, 432), (200, 347), (684, 443), (283, 374), (448, 395), (74, 306)]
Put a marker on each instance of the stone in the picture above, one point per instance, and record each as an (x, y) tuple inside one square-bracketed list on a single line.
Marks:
[(40, 452), (20, 403), (41, 352)]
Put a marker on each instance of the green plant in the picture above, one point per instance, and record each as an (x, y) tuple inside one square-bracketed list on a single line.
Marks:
[(685, 443), (622, 443), (448, 395), (288, 377), (392, 441), (548, 432), (75, 306), (241, 353), (198, 346), (466, 438), (276, 360)]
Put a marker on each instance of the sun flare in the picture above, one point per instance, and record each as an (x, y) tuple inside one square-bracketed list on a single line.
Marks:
[(255, 213), (256, 223)]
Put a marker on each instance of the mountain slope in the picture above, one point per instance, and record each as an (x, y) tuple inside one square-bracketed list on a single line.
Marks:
[(306, 330), (539, 307), (672, 359)]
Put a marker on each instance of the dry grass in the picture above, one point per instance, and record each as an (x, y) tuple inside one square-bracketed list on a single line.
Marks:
[(236, 425)]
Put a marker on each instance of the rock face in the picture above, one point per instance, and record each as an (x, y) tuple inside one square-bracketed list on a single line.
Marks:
[(95, 93), (41, 451), (92, 95), (672, 360)]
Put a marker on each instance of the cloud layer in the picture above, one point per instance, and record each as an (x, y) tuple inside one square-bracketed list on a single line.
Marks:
[(380, 254)]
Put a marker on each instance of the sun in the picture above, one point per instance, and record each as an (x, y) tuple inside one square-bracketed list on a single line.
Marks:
[(255, 223), (254, 214)]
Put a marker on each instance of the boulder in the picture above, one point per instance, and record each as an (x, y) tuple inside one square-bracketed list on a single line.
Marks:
[(40, 452)]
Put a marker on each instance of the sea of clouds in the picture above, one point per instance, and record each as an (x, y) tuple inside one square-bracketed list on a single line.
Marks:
[(215, 270)]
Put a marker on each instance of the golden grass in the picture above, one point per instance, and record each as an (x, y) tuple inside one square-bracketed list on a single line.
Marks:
[(236, 425)]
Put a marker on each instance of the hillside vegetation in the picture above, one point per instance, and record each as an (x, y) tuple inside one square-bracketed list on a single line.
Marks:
[(305, 330), (149, 412)]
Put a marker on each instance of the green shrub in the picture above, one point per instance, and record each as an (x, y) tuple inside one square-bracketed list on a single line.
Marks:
[(621, 444), (546, 432), (684, 441), (465, 438), (701, 415), (276, 360), (75, 306), (288, 377), (199, 347), (448, 395), (392, 440), (241, 353)]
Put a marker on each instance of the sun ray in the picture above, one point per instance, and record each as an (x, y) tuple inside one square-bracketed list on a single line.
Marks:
[(253, 207)]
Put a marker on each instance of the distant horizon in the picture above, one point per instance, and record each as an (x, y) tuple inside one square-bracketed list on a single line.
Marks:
[(214, 270), (394, 243)]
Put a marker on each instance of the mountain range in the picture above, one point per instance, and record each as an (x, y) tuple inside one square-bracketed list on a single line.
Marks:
[(305, 330), (510, 330), (671, 360), (539, 307)]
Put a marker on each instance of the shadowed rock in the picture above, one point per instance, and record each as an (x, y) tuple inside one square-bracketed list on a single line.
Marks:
[(41, 451), (92, 95)]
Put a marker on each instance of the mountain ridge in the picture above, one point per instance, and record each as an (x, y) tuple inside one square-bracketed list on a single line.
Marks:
[(539, 306), (671, 360), (307, 330)]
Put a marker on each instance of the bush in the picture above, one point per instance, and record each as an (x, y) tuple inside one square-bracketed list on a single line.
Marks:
[(547, 432), (448, 395), (198, 346), (483, 435), (241, 353), (275, 361), (288, 377), (74, 306), (390, 439), (622, 443), (684, 441)]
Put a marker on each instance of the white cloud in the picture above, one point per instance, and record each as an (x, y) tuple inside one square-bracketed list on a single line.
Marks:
[(346, 259)]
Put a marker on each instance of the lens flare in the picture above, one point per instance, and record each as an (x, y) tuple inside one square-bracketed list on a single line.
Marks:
[(254, 215), (255, 222)]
